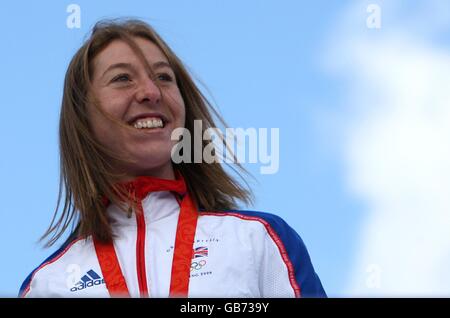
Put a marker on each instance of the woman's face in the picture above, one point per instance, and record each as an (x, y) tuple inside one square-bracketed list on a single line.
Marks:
[(127, 92)]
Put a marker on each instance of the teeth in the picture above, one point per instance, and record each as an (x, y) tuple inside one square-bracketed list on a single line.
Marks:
[(148, 123)]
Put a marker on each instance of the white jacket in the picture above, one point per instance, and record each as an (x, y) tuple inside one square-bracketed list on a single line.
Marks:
[(236, 254)]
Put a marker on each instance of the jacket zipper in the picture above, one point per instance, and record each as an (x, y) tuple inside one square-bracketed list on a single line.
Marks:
[(140, 251)]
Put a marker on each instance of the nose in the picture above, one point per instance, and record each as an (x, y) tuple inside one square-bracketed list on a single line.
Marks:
[(148, 91)]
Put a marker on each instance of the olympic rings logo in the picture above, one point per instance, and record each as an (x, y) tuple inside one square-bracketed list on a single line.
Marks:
[(197, 265)]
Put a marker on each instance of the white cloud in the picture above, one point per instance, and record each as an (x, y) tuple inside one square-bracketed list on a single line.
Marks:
[(396, 147)]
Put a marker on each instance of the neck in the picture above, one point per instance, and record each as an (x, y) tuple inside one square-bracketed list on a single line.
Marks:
[(164, 172)]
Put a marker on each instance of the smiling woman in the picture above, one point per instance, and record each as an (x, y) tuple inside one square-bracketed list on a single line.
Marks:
[(143, 224), (125, 85)]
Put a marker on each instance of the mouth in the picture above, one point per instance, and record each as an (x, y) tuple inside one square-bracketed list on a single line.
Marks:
[(148, 122)]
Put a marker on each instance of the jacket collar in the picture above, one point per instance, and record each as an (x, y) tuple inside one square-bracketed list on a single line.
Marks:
[(141, 186)]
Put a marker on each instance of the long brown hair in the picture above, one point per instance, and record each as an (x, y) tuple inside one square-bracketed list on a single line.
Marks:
[(87, 173)]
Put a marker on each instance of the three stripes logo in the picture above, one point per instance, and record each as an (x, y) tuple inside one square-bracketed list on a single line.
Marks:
[(89, 280)]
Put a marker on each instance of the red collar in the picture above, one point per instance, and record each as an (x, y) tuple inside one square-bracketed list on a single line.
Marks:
[(141, 186)]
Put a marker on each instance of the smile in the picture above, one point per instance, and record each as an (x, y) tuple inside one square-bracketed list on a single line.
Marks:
[(148, 123)]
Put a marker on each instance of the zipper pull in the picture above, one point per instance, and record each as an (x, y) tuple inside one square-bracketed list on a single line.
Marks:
[(132, 195), (130, 211)]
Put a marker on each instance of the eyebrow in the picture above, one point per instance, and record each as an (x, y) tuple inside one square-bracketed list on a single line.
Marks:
[(155, 65)]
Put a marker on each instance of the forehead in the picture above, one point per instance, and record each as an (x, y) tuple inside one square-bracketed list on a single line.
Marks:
[(118, 51)]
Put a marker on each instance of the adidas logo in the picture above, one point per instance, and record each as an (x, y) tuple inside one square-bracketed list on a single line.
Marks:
[(89, 280)]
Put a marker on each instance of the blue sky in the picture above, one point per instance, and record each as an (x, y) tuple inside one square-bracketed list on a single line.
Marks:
[(337, 90)]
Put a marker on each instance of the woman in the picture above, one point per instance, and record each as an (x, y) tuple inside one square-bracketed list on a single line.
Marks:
[(146, 226)]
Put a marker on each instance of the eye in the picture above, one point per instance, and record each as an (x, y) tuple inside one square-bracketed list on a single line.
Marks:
[(121, 78), (164, 77)]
